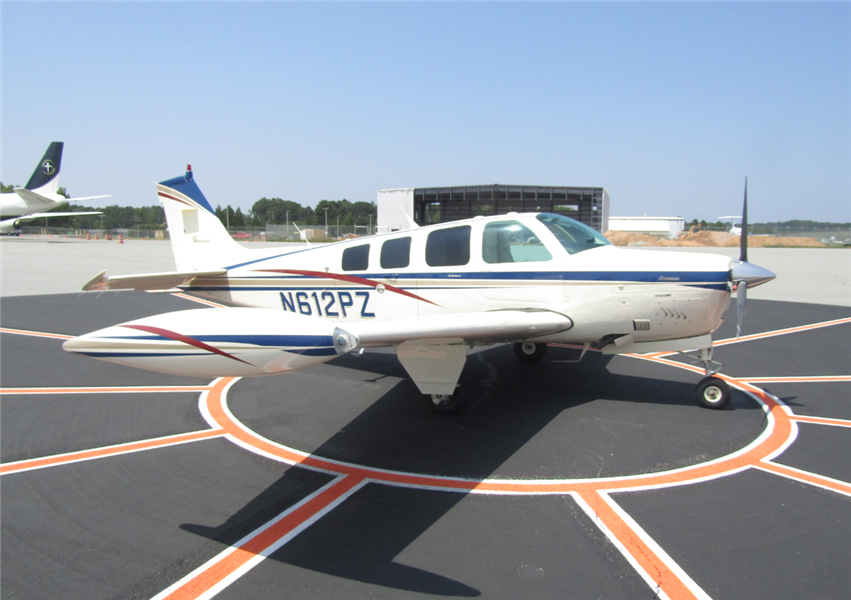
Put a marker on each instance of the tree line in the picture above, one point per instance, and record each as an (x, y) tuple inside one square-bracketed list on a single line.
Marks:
[(275, 211)]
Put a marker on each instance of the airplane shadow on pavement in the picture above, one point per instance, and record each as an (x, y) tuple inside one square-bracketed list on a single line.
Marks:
[(544, 420)]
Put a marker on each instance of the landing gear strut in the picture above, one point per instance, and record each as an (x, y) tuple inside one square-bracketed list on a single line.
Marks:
[(712, 392)]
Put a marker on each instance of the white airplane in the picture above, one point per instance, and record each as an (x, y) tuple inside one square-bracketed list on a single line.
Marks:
[(40, 194), (526, 279)]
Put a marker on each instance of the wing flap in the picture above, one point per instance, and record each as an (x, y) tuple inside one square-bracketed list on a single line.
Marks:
[(488, 327), (151, 281)]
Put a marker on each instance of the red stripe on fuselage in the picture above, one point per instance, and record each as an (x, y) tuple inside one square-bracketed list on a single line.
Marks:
[(349, 279), (173, 335)]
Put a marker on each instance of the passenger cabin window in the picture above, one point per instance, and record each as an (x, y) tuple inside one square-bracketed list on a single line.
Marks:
[(396, 254), (573, 235), (356, 259), (511, 241), (448, 247)]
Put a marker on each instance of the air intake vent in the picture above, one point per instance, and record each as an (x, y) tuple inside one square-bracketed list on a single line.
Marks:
[(641, 324)]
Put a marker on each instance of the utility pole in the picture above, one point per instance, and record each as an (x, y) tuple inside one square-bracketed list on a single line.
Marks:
[(326, 221), (370, 224)]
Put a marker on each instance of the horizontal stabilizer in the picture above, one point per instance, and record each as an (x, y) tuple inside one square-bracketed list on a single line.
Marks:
[(88, 198), (150, 281), (35, 198)]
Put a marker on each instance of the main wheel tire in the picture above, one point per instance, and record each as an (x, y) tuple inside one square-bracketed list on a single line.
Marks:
[(530, 351), (447, 404), (713, 392)]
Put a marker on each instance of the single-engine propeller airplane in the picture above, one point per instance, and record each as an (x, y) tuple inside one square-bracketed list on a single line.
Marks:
[(527, 279), (41, 193)]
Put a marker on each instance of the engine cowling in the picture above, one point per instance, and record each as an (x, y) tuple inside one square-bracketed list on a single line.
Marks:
[(9, 226), (217, 342)]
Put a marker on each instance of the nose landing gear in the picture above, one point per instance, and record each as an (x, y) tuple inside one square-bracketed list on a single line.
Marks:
[(712, 392)]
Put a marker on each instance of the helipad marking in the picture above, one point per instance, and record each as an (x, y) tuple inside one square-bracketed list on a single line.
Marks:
[(827, 483), (56, 336), (147, 389), (808, 379), (823, 421), (761, 336), (219, 572), (199, 300), (127, 448)]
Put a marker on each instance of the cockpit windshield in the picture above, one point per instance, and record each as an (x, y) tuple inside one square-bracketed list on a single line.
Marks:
[(573, 235)]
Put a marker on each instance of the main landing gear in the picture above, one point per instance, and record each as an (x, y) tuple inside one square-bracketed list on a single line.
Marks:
[(447, 404), (530, 351)]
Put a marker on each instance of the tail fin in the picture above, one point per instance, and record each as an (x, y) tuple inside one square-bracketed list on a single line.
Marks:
[(45, 178), (198, 238)]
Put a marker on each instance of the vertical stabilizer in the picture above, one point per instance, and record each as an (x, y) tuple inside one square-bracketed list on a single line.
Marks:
[(45, 178), (198, 238)]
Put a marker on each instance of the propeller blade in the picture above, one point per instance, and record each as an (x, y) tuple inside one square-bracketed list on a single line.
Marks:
[(743, 238), (741, 299)]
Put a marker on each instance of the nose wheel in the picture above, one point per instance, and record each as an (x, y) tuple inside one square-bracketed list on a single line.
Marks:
[(713, 392)]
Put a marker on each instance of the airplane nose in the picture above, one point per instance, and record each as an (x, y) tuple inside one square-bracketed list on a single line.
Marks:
[(750, 273)]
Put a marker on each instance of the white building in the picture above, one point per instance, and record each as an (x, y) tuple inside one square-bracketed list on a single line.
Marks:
[(660, 227)]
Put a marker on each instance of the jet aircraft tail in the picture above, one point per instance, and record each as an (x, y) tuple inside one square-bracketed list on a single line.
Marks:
[(45, 178), (198, 238)]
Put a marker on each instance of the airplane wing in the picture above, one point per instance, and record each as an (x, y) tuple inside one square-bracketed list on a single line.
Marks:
[(487, 327), (10, 225), (151, 281), (33, 216)]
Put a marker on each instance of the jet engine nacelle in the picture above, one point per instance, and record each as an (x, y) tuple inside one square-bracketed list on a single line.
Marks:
[(10, 226), (218, 342)]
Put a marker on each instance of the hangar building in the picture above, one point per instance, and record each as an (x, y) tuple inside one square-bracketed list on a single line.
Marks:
[(426, 206)]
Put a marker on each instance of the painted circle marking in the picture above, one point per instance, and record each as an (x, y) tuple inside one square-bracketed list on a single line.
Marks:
[(779, 432)]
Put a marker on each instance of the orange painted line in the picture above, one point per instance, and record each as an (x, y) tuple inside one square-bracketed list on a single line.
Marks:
[(781, 432), (56, 336), (806, 477), (149, 389), (822, 421), (655, 568), (238, 559), (760, 336), (768, 334), (64, 459), (199, 300), (814, 379)]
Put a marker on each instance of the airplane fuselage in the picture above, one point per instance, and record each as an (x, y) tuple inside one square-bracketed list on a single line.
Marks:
[(605, 291), (12, 205)]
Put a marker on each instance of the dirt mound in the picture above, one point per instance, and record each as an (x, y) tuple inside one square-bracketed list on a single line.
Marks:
[(712, 239), (625, 238)]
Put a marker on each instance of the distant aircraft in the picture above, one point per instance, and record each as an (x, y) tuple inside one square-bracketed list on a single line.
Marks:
[(734, 228), (40, 194), (527, 279)]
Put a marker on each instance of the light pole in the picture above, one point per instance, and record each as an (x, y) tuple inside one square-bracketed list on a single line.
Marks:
[(326, 221)]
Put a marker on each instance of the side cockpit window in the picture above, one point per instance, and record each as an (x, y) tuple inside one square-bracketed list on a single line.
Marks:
[(396, 254), (511, 241), (356, 259), (448, 247), (573, 235)]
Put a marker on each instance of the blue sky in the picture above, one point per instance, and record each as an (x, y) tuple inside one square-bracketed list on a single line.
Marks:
[(667, 105)]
